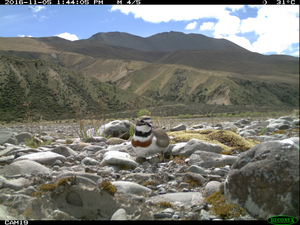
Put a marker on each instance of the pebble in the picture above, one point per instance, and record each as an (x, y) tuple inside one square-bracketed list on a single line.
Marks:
[(78, 172)]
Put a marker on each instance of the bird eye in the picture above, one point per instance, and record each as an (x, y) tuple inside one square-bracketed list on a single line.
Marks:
[(142, 121)]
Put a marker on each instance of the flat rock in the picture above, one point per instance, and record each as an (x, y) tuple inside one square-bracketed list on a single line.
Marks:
[(194, 145), (210, 159), (24, 167), (15, 184), (178, 128), (118, 158), (47, 158), (64, 150), (186, 198), (130, 187)]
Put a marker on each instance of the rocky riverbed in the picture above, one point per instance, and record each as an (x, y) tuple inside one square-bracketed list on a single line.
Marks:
[(241, 170)]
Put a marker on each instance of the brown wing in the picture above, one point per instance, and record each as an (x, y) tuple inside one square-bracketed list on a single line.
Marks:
[(161, 137)]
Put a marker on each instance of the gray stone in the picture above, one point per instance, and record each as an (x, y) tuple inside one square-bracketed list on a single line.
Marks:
[(47, 158), (284, 127), (210, 159), (287, 118), (22, 136), (93, 148), (89, 161), (194, 145), (263, 138), (195, 177), (130, 187), (120, 214), (64, 150), (196, 169), (118, 158), (265, 180), (8, 137), (186, 198), (116, 128), (24, 167), (178, 128), (74, 198), (15, 184), (211, 187)]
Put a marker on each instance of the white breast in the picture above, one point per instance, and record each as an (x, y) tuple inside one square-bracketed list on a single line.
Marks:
[(147, 151)]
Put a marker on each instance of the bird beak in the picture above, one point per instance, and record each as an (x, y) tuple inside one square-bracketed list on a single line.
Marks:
[(150, 124)]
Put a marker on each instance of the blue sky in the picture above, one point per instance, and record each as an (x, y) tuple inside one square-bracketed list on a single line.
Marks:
[(266, 29)]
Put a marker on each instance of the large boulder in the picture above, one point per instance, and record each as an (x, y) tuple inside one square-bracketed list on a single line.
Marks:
[(116, 128), (265, 180)]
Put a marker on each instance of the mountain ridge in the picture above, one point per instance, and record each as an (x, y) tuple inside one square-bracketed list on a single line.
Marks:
[(166, 41)]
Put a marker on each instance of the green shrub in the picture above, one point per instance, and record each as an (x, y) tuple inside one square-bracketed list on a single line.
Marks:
[(143, 112)]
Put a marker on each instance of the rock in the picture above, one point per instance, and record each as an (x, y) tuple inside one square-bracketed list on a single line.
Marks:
[(24, 167), (247, 133), (210, 159), (64, 150), (115, 141), (46, 138), (263, 138), (47, 158), (94, 148), (22, 136), (187, 199), (15, 184), (59, 215), (195, 177), (193, 145), (265, 180), (178, 128), (196, 169), (8, 137), (211, 187), (118, 158), (89, 161), (130, 187), (287, 118), (296, 122), (78, 146), (95, 139), (116, 128), (120, 214)]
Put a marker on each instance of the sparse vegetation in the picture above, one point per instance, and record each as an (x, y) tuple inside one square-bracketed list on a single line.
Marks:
[(111, 189), (33, 142), (222, 209)]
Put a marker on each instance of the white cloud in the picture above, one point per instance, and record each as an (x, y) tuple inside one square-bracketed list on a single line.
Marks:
[(22, 35), (68, 36), (207, 26), (36, 8), (191, 26), (166, 13), (227, 25), (276, 26)]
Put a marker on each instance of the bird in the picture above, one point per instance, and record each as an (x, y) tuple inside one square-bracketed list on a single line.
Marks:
[(148, 141)]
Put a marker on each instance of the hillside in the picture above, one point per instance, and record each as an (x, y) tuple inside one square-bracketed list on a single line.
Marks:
[(166, 41), (89, 69), (52, 91)]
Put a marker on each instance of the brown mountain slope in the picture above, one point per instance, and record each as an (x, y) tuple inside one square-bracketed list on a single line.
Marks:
[(166, 41), (201, 76)]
